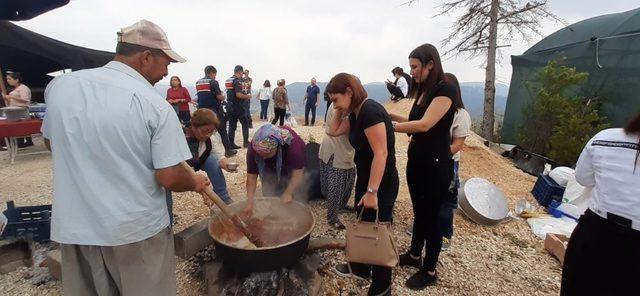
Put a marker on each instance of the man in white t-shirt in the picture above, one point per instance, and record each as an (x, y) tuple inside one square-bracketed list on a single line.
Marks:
[(116, 145)]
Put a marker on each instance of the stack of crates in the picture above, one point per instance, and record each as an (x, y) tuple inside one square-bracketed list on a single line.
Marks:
[(31, 221)]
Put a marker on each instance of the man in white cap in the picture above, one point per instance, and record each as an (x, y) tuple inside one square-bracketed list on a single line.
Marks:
[(116, 145)]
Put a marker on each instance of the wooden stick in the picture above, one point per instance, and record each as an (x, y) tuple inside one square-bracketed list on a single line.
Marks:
[(326, 243), (226, 211)]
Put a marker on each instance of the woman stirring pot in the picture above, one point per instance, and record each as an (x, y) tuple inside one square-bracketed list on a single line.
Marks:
[(276, 154)]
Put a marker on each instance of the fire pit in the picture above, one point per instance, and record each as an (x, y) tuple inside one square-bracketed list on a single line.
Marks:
[(300, 279), (279, 267)]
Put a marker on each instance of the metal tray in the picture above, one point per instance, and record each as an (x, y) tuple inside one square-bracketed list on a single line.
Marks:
[(482, 201), (13, 113)]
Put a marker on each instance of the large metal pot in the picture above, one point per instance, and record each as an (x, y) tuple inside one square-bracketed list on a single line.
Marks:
[(482, 201), (295, 218), (14, 113)]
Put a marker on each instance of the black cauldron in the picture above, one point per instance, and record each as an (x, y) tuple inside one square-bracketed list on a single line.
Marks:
[(295, 217)]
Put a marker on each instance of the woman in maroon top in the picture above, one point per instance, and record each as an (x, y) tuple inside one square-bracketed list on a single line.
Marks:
[(179, 98), (276, 154)]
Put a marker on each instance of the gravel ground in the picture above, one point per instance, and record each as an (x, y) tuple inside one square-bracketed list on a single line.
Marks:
[(506, 259)]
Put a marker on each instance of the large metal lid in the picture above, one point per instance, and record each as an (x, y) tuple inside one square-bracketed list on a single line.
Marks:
[(483, 202)]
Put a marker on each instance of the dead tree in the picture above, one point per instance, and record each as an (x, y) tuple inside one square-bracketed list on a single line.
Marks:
[(484, 24)]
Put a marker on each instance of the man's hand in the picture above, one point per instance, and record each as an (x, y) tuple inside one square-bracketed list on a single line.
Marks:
[(202, 182), (207, 201)]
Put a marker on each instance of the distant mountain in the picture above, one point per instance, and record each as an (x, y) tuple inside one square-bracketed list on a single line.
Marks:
[(472, 95), (473, 98)]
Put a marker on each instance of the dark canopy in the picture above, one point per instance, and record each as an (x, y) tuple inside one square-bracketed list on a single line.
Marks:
[(20, 10), (607, 47), (35, 55)]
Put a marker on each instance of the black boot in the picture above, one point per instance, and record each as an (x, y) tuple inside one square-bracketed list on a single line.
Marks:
[(374, 291), (421, 279), (406, 259)]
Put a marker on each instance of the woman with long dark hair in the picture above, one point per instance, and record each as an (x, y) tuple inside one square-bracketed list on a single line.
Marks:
[(370, 132), (429, 163), (603, 254)]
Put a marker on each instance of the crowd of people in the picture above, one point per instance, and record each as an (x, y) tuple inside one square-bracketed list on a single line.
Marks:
[(129, 160)]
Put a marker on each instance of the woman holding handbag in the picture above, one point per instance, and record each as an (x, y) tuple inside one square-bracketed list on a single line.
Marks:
[(370, 132)]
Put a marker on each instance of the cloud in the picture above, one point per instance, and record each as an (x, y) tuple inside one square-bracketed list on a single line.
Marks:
[(294, 40)]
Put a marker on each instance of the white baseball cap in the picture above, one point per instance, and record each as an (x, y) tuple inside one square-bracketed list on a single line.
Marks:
[(148, 34)]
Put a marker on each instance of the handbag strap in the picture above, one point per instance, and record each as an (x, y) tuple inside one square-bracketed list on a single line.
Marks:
[(360, 215)]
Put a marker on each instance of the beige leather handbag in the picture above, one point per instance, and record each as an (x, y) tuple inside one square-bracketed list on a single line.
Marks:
[(371, 243)]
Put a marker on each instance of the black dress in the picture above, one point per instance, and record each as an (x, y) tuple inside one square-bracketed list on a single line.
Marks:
[(429, 174), (372, 113)]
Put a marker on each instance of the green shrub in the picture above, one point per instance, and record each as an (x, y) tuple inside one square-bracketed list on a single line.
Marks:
[(558, 122)]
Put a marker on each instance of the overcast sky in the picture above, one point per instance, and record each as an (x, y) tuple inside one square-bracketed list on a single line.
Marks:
[(295, 40)]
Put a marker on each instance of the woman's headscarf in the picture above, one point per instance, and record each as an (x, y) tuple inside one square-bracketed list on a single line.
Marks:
[(269, 138)]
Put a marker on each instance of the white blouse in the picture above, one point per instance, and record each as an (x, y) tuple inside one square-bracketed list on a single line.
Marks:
[(265, 94), (607, 165)]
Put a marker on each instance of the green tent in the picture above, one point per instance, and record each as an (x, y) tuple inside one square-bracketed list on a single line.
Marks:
[(607, 47)]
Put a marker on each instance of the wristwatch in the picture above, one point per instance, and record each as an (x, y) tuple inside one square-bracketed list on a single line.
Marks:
[(372, 190)]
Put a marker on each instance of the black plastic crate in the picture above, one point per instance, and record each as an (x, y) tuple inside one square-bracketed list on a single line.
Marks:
[(546, 189), (30, 221)]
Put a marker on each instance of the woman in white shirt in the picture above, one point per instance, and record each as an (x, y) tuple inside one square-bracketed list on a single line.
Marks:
[(603, 254), (264, 95), (400, 88), (460, 129), (337, 172)]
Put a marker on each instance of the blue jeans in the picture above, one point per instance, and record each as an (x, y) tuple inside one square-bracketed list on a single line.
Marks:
[(449, 204), (264, 107), (310, 108), (212, 167)]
